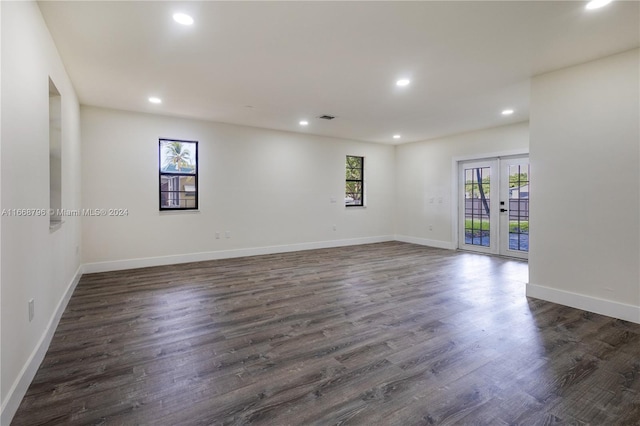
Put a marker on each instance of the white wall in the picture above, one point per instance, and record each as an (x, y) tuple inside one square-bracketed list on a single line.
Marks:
[(585, 210), (424, 174), (36, 263), (270, 189)]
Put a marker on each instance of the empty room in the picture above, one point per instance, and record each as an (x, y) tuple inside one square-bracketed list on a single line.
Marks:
[(320, 213)]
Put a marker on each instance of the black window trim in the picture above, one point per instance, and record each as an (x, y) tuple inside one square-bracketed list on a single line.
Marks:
[(361, 180), (161, 173)]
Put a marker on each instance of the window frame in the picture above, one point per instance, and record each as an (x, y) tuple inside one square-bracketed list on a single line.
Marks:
[(361, 180), (178, 175)]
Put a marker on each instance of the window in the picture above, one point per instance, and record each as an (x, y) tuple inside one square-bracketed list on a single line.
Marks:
[(354, 194), (178, 174)]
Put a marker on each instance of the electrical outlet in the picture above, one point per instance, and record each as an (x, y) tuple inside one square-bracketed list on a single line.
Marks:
[(227, 234), (217, 235), (31, 309), (335, 228), (430, 227)]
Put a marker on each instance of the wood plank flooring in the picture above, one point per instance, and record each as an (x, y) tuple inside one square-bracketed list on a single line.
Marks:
[(379, 334)]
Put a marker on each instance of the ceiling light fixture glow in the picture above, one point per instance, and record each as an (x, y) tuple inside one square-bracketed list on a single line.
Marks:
[(183, 18), (396, 136), (507, 112), (403, 82), (155, 100), (304, 122), (597, 4)]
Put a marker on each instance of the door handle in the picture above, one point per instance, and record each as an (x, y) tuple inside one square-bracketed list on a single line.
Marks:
[(503, 210)]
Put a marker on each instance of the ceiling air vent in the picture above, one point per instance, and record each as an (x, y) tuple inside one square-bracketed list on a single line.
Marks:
[(327, 117)]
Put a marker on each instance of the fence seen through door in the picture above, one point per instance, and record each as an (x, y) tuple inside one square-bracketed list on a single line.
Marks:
[(494, 215), (519, 206), (477, 211)]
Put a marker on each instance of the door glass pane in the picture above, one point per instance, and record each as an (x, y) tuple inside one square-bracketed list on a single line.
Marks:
[(519, 207), (477, 187)]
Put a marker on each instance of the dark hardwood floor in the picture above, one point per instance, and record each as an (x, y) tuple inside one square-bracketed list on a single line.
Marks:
[(380, 334)]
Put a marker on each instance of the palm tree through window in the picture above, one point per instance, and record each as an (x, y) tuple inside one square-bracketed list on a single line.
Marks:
[(178, 164)]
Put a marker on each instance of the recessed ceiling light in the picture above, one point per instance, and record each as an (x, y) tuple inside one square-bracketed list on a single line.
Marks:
[(155, 100), (507, 112), (183, 18), (403, 82), (597, 4), (304, 122), (396, 136)]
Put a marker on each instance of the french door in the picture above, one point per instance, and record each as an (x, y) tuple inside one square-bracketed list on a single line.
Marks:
[(494, 206)]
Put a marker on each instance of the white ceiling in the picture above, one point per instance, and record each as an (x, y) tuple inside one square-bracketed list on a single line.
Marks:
[(271, 64)]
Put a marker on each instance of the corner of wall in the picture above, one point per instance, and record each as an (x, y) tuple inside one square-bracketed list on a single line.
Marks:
[(447, 245)]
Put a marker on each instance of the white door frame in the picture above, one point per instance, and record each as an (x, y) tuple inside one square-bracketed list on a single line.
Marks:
[(455, 183)]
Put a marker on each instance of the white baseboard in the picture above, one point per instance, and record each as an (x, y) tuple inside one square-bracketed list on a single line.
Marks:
[(426, 242), (118, 265), (587, 303), (16, 393)]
